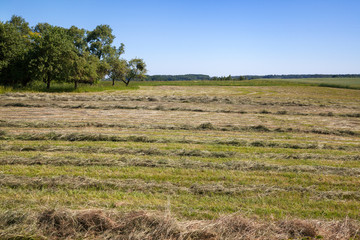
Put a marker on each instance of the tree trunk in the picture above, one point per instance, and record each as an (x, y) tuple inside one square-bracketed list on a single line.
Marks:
[(113, 82), (127, 81), (76, 84), (48, 83)]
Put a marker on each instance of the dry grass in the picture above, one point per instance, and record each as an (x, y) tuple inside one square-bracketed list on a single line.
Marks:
[(96, 224), (260, 162)]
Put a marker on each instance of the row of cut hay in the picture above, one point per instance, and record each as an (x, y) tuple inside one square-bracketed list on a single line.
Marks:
[(202, 126), (96, 224), (183, 163), (143, 138), (132, 185)]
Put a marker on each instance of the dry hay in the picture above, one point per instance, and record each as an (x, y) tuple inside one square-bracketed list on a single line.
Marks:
[(97, 224)]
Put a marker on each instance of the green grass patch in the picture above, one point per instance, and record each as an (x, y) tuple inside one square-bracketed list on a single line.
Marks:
[(349, 83), (188, 177), (184, 206), (68, 87), (254, 82)]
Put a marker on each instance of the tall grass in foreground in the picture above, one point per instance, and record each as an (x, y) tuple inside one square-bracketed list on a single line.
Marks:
[(96, 224)]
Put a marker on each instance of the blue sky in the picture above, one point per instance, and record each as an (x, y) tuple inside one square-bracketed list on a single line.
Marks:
[(217, 37)]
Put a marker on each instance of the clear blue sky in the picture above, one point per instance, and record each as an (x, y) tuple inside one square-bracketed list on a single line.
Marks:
[(217, 37)]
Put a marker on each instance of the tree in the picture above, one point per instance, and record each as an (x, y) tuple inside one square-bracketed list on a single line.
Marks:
[(117, 67), (100, 40), (118, 70), (84, 66), (21, 25), (15, 49), (83, 69), (136, 69), (79, 39), (52, 54)]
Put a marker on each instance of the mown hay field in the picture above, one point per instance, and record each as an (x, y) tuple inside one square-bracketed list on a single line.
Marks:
[(202, 162)]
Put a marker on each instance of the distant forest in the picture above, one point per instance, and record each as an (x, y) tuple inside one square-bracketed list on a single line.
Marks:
[(188, 77), (177, 77)]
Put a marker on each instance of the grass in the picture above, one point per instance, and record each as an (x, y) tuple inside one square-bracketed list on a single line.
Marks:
[(276, 160), (330, 82), (347, 83), (139, 225), (107, 85), (68, 87)]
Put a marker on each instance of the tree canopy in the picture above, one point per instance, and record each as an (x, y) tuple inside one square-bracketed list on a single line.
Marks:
[(47, 53)]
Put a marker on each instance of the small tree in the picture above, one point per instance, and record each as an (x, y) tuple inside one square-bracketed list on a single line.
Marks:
[(118, 70), (117, 67), (136, 69), (83, 69)]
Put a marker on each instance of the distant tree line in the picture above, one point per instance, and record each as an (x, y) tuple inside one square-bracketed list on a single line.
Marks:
[(288, 76), (177, 77), (50, 54), (188, 77), (293, 76), (229, 78)]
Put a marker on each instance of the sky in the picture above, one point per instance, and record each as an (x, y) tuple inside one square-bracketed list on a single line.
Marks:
[(217, 37)]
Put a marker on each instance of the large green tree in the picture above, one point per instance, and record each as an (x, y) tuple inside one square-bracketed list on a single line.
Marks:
[(100, 40), (15, 51), (52, 52)]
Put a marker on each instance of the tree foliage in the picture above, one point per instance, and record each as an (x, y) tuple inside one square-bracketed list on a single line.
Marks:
[(15, 50), (100, 40), (136, 70), (118, 70), (54, 54), (52, 50), (177, 77), (83, 69)]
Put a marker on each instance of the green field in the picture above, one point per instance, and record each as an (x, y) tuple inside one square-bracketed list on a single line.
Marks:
[(266, 159), (329, 82), (350, 83)]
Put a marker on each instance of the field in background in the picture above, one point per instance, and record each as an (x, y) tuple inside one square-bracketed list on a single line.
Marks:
[(190, 153), (329, 82), (349, 83)]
